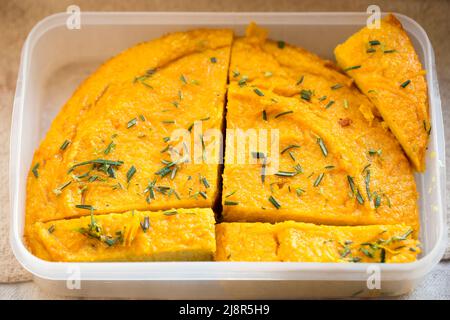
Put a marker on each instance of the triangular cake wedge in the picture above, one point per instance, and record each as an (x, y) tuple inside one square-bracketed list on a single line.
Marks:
[(172, 235), (110, 147), (387, 69), (304, 242), (338, 164)]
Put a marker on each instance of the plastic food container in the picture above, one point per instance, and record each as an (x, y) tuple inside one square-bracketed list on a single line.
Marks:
[(56, 59)]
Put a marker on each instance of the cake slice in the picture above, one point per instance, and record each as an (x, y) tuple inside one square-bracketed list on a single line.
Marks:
[(171, 235), (387, 69), (303, 242)]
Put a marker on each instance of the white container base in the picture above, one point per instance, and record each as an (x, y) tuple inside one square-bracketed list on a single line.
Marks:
[(55, 60)]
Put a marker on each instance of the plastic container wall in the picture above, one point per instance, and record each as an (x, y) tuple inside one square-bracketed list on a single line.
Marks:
[(54, 62)]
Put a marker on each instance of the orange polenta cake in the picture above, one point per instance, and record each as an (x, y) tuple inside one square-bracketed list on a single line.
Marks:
[(171, 235), (110, 147), (337, 163), (303, 242), (386, 68)]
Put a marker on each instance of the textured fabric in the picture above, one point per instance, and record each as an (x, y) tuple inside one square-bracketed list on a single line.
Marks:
[(18, 17)]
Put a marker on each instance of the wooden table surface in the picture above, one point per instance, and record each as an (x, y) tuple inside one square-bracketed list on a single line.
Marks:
[(19, 16)]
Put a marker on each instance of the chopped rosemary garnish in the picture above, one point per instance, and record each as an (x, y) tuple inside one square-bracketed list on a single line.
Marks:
[(151, 191), (292, 156), (366, 167), (300, 80), (319, 179), (367, 180), (359, 197), (59, 190), (110, 147), (165, 149), (400, 238), (299, 191), (213, 59), (95, 231), (345, 252), (141, 117), (405, 84), (292, 146), (298, 168), (230, 203), (329, 104), (93, 178), (167, 168), (168, 121), (230, 194), (336, 86), (264, 115), (85, 207), (274, 202), (322, 98), (170, 212), (322, 146), (371, 50), (64, 145), (377, 201), (131, 123), (283, 113), (352, 68), (145, 225), (374, 42), (35, 170), (389, 51), (236, 73), (286, 174), (281, 44), (131, 173), (183, 79), (243, 81), (203, 194), (205, 182), (144, 77), (329, 167), (104, 165), (373, 152), (306, 94), (355, 191), (258, 92), (51, 229)]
